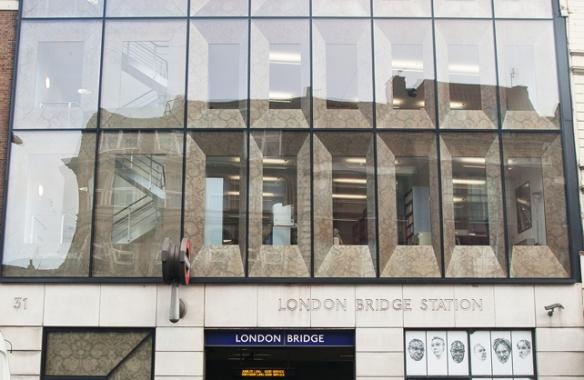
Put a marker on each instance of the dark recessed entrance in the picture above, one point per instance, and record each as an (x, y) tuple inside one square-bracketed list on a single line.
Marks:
[(312, 355)]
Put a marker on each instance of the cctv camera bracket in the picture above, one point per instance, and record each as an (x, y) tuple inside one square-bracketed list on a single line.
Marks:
[(176, 271)]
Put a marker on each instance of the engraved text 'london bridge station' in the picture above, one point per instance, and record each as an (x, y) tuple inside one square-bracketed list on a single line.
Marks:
[(381, 304)]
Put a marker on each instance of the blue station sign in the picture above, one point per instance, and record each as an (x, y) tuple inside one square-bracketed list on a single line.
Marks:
[(277, 338)]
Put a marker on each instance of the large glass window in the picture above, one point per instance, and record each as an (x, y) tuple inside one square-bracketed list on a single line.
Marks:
[(215, 203), (98, 354), (279, 203), (404, 74), (527, 75), (143, 74), (129, 8), (536, 205), (48, 221), (62, 8), (523, 8), (280, 7), (409, 205), (341, 8), (343, 90), (58, 75), (402, 8), (462, 8), (344, 205), (218, 61), (139, 186), (280, 78), (219, 8), (467, 95), (474, 241)]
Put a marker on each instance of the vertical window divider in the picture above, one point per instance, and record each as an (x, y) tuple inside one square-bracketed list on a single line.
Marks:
[(501, 150), (185, 122), (10, 134), (374, 134), (97, 142), (438, 153), (311, 135), (569, 158), (248, 141)]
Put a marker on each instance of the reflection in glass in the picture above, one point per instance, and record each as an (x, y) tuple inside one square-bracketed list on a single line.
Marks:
[(523, 8), (471, 214), (279, 205), (341, 7), (139, 187), (62, 8), (219, 8), (536, 205), (409, 206), (58, 75), (143, 74), (147, 8), (280, 7), (48, 220), (404, 64), (218, 61), (467, 95), (215, 203), (462, 8), (402, 8), (280, 83), (528, 87), (343, 89), (474, 243), (344, 226)]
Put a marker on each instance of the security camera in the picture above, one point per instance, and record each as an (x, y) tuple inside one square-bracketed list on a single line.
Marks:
[(551, 308)]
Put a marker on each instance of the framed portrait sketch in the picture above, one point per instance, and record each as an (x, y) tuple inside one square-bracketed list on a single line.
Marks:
[(416, 353), (523, 206)]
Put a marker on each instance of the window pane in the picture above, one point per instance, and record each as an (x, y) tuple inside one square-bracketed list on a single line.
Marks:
[(462, 8), (62, 8), (474, 242), (467, 95), (536, 205), (219, 8), (341, 8), (402, 8), (404, 65), (280, 82), (280, 7), (343, 90), (143, 74), (523, 8), (279, 205), (215, 208), (218, 59), (527, 75), (48, 220), (344, 205), (58, 75), (409, 205), (147, 8), (139, 187), (88, 354)]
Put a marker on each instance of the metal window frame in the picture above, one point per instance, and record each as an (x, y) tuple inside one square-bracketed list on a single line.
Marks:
[(566, 132)]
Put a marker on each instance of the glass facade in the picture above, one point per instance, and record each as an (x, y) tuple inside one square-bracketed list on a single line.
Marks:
[(347, 139)]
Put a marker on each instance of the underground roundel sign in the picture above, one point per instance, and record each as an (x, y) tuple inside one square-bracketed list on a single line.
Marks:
[(176, 262)]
